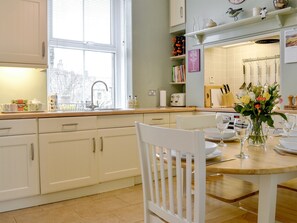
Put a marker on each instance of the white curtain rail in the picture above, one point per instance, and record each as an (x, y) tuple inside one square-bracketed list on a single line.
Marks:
[(260, 58)]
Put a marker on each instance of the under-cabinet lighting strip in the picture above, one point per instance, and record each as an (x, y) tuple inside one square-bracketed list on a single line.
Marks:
[(260, 58)]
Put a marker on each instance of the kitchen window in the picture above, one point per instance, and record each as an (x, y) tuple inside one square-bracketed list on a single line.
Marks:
[(86, 44)]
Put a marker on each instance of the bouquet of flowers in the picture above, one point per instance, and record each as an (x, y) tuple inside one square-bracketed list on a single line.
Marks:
[(259, 103)]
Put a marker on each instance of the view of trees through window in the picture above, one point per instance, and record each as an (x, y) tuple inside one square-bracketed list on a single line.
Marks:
[(83, 48)]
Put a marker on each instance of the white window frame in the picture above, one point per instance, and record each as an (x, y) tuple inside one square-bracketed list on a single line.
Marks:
[(120, 46)]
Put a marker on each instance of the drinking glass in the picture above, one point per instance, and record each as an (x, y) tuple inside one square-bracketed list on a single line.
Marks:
[(222, 122), (288, 124), (243, 128)]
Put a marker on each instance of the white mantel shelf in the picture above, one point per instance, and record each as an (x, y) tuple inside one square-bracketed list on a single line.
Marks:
[(277, 14)]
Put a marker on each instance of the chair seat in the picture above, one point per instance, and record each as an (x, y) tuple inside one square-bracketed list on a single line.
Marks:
[(229, 189), (218, 211), (291, 184)]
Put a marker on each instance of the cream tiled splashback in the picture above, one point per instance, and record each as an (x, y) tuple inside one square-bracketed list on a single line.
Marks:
[(225, 65)]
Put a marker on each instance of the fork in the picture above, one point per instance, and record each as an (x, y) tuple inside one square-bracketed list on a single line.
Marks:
[(279, 152)]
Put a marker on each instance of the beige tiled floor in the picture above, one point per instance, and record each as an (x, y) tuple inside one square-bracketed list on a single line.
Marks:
[(120, 206)]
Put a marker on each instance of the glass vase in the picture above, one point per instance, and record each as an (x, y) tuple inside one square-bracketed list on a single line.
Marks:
[(258, 135)]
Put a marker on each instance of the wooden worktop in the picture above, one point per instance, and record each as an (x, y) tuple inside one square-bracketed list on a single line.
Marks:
[(124, 111)]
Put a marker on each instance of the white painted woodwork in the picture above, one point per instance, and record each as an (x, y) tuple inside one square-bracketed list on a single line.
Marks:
[(18, 127), (177, 12), (172, 117), (68, 160), (67, 124), (156, 118), (23, 37), (19, 166), (113, 121), (118, 153)]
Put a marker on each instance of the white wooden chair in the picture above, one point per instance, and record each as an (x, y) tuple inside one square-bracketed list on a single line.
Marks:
[(221, 187), (161, 153)]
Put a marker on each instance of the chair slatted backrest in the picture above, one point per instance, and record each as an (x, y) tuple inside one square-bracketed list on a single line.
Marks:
[(166, 154), (195, 121)]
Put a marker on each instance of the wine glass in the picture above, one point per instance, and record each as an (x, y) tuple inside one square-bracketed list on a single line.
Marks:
[(222, 122), (243, 128), (288, 124)]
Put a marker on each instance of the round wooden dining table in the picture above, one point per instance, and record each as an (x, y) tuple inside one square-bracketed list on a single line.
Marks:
[(264, 167)]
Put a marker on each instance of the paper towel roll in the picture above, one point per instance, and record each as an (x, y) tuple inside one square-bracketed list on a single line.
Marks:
[(162, 98)]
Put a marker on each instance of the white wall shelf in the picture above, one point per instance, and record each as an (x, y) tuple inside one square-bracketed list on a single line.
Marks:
[(179, 57), (277, 14), (177, 82)]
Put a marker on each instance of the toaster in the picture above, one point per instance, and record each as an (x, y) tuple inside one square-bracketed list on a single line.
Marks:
[(178, 99)]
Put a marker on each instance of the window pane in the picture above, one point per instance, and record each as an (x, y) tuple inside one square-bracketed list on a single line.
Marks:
[(66, 75), (97, 21), (72, 73), (67, 19), (99, 66)]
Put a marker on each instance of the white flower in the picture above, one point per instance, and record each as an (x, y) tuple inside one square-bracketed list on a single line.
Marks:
[(252, 96)]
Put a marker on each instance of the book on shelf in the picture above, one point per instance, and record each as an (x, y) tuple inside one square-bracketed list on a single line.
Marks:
[(178, 73)]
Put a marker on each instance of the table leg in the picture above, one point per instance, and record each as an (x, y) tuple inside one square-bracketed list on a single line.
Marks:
[(267, 198)]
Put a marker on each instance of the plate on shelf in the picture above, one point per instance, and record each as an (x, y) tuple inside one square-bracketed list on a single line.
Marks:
[(282, 148)]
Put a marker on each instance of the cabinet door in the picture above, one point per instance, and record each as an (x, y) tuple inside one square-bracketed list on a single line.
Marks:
[(119, 154), (19, 167), (68, 160), (177, 12), (23, 32)]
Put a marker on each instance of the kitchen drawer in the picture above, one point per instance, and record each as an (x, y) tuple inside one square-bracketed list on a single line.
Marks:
[(156, 118), (18, 127), (66, 124), (114, 121), (173, 115)]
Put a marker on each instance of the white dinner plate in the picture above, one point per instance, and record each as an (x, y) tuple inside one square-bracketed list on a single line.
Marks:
[(280, 147), (212, 155), (234, 138), (289, 143), (214, 133), (292, 133)]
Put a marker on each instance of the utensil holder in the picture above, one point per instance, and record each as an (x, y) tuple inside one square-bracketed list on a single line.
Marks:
[(228, 100)]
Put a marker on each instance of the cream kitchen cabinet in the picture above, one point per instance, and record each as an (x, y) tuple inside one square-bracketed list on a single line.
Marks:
[(19, 159), (177, 12), (68, 153), (23, 40), (161, 119), (118, 147)]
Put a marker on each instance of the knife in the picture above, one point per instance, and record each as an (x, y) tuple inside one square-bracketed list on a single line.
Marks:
[(220, 161), (228, 87), (225, 88)]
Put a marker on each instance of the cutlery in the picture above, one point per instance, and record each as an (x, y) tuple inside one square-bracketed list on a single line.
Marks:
[(222, 90), (225, 88), (279, 152), (228, 87), (220, 161)]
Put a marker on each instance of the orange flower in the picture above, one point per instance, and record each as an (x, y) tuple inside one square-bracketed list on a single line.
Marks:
[(257, 106), (261, 98)]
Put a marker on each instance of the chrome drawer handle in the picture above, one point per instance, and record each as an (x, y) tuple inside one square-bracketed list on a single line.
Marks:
[(94, 145), (157, 119), (70, 124), (7, 128), (32, 151), (101, 140)]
